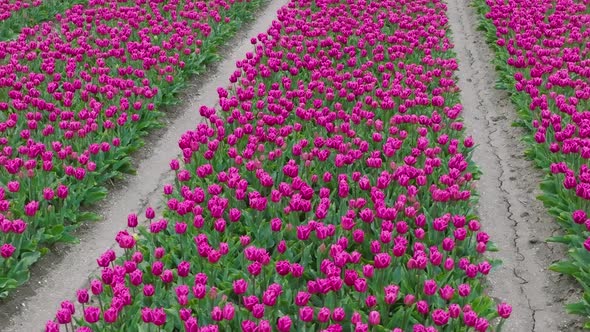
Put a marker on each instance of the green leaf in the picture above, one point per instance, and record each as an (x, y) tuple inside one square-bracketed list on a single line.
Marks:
[(7, 283), (88, 216), (396, 277), (55, 231), (559, 239), (495, 262), (124, 166), (578, 308), (492, 247), (94, 195), (27, 259), (68, 238), (21, 276), (565, 267)]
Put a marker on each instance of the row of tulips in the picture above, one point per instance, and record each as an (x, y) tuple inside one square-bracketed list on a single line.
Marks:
[(75, 97), (332, 190), (16, 14), (8, 7), (542, 50)]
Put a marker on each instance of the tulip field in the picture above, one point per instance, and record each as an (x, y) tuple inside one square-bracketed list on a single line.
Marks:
[(544, 66), (331, 190), (75, 97), (331, 187), (9, 7), (17, 14)]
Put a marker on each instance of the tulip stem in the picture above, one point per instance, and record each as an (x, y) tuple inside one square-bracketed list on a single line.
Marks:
[(100, 303), (405, 320)]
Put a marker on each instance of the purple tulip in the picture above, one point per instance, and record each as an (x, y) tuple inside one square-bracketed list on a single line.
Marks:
[(7, 250), (91, 314)]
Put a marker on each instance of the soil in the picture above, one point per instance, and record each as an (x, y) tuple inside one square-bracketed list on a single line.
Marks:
[(508, 208), (67, 268)]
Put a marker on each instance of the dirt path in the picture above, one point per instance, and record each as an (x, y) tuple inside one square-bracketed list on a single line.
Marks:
[(508, 208), (60, 274)]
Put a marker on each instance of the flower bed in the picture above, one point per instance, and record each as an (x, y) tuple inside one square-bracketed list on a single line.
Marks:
[(331, 191), (75, 98), (16, 14), (9, 7), (543, 65)]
